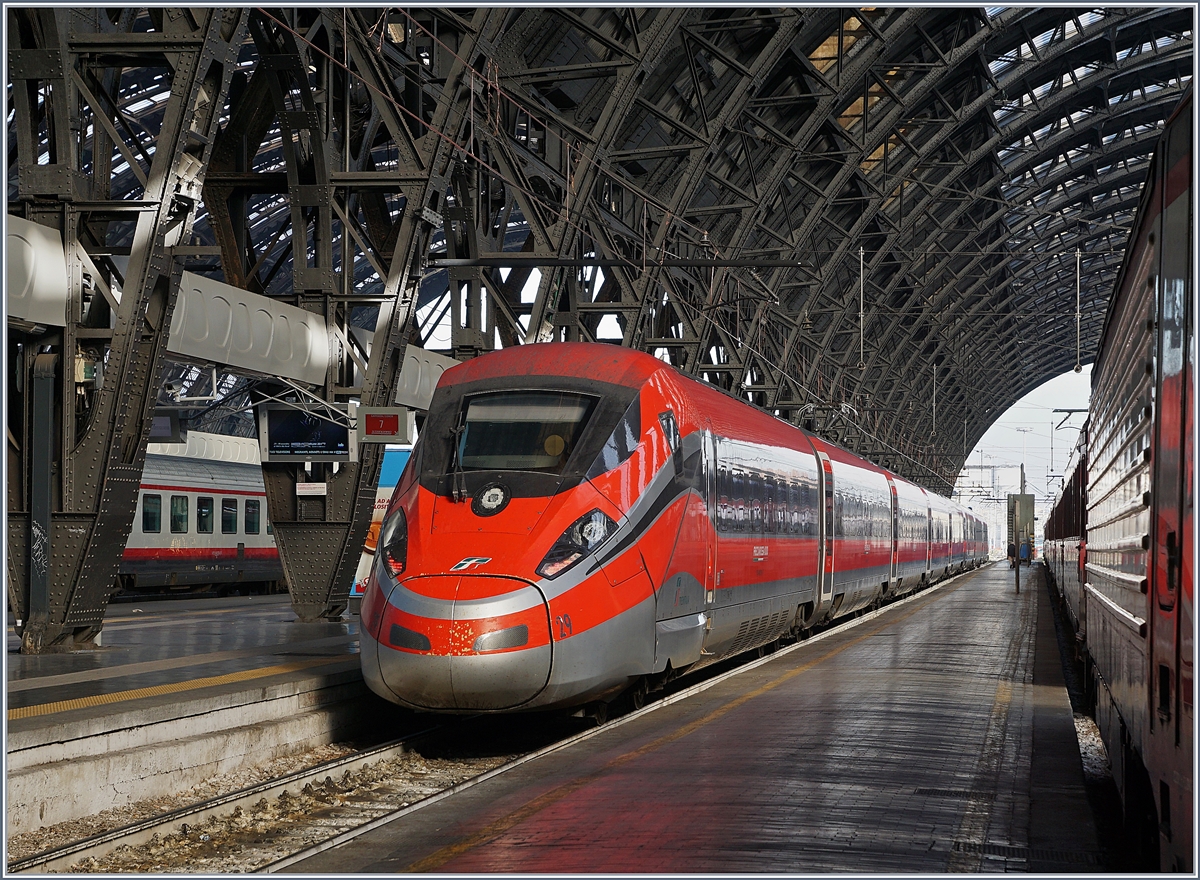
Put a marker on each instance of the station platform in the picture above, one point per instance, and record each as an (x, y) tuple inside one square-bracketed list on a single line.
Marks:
[(935, 735), (179, 691)]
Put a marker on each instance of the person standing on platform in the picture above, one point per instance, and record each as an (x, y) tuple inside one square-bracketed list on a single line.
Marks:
[(1012, 555)]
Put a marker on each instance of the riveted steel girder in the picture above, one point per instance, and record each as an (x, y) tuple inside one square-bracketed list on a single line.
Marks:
[(913, 183), (67, 67)]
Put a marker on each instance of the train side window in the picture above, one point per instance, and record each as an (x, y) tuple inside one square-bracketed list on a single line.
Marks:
[(152, 513), (179, 514), (793, 507), (252, 516), (229, 516), (755, 501), (800, 501), (803, 508), (781, 507), (768, 505), (788, 490), (739, 501), (204, 515), (270, 528), (724, 485)]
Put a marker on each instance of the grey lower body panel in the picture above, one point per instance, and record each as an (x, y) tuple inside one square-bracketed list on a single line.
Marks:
[(596, 662), (603, 659), (679, 641)]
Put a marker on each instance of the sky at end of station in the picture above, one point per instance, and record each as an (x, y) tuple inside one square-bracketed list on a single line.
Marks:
[(1031, 428)]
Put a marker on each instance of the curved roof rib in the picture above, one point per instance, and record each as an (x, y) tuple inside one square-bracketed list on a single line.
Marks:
[(836, 214)]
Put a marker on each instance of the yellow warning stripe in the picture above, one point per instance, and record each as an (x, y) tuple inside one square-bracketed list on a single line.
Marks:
[(159, 690)]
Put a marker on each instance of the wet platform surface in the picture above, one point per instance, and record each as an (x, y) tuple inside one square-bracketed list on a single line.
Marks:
[(172, 653), (934, 736)]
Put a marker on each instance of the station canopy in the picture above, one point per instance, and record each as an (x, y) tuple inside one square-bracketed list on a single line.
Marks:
[(874, 222)]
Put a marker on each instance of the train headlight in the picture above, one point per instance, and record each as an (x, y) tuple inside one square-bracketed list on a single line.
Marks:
[(581, 538), (393, 542)]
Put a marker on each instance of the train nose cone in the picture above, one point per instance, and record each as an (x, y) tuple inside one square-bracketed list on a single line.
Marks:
[(487, 645)]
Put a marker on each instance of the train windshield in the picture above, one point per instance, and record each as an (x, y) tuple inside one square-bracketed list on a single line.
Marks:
[(522, 430)]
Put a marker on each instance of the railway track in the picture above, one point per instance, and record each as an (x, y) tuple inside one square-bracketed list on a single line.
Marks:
[(245, 829), (62, 858), (274, 824)]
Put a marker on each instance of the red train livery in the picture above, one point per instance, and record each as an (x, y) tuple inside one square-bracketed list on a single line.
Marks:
[(581, 519), (1119, 540)]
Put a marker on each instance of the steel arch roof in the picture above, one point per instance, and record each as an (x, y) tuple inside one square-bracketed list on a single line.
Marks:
[(969, 153)]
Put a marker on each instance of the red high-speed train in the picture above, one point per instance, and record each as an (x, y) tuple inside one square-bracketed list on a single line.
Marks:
[(581, 519), (1119, 540)]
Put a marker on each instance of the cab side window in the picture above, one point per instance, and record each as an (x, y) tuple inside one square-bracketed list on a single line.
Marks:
[(620, 443), (670, 429)]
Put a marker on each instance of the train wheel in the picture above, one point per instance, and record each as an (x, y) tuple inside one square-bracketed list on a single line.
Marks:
[(633, 698), (597, 712)]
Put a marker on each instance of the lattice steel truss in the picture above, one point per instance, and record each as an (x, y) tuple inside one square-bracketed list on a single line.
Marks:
[(866, 221)]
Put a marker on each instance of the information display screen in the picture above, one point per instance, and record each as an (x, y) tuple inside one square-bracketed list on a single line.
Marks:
[(164, 428), (289, 434)]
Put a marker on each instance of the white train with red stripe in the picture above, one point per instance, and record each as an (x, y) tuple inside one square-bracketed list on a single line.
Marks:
[(202, 519), (580, 519)]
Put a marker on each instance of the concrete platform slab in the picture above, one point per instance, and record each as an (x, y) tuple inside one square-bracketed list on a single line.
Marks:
[(179, 692)]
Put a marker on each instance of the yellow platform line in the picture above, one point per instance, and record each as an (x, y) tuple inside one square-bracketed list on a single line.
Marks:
[(159, 690)]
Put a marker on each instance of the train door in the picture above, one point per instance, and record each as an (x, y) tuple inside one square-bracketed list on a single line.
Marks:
[(711, 499), (895, 532), (929, 544), (685, 581), (956, 537), (826, 562), (1171, 588)]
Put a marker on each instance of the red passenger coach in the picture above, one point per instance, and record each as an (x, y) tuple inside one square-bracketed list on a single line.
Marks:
[(581, 519)]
